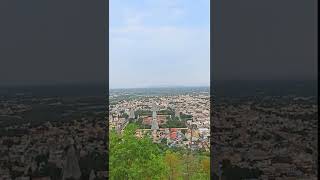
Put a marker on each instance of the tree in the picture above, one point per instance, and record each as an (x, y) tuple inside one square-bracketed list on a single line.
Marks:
[(172, 161), (184, 131), (205, 167), (125, 115), (190, 166), (233, 172), (134, 158)]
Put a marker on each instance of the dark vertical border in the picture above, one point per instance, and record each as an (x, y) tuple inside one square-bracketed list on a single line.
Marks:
[(106, 5), (316, 21), (212, 26), (215, 38)]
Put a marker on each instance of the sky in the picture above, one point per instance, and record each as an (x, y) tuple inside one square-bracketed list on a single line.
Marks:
[(156, 42), (159, 43)]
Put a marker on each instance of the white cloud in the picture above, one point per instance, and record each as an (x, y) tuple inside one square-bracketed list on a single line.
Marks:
[(178, 48), (143, 53), (162, 40)]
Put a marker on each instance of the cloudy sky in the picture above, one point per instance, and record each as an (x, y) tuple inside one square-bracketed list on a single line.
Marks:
[(159, 43)]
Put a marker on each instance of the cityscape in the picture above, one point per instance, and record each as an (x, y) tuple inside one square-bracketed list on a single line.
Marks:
[(266, 130), (159, 94), (179, 120), (46, 135), (168, 109), (175, 122)]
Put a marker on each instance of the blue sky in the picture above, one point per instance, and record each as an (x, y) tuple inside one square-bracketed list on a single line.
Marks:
[(159, 43)]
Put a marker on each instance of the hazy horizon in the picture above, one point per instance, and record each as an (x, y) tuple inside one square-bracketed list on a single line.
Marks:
[(160, 86), (152, 86)]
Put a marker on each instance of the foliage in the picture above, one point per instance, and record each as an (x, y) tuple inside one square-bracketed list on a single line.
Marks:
[(205, 165), (140, 158), (95, 161), (185, 116), (172, 161), (166, 112), (233, 172), (52, 171), (139, 124), (124, 115), (134, 158), (174, 123)]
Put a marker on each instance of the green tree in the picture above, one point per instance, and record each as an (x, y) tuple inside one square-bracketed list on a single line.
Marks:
[(205, 167), (134, 158), (139, 158), (190, 166), (172, 161)]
